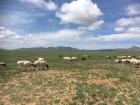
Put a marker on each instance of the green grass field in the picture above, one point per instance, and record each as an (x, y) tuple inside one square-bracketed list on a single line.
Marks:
[(95, 81)]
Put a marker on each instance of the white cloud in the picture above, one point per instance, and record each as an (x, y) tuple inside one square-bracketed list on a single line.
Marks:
[(128, 21), (10, 39), (82, 12), (124, 22), (50, 5), (5, 33), (93, 26), (133, 9), (133, 21), (119, 29), (115, 37), (132, 33), (64, 34), (134, 30)]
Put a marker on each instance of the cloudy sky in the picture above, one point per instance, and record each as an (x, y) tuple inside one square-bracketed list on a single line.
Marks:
[(84, 24)]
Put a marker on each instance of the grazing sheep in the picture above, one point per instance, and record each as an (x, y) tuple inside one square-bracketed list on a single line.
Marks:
[(67, 58), (132, 60), (3, 65), (83, 58), (123, 60), (136, 63), (41, 59), (126, 61), (74, 58), (25, 65), (41, 65), (122, 57), (129, 57), (117, 61), (108, 56)]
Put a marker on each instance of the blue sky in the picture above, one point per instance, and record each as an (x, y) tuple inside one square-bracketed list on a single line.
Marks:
[(84, 24)]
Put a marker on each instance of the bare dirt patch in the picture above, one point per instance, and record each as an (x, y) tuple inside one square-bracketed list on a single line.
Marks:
[(106, 82), (100, 71)]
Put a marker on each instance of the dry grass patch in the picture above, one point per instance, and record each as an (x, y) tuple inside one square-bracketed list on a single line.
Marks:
[(94, 79), (49, 87), (62, 87), (107, 82), (100, 72)]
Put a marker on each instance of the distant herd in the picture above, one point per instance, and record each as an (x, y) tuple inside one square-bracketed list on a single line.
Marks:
[(41, 64), (128, 60)]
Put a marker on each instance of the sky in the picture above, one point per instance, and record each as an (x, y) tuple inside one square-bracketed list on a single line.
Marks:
[(83, 24)]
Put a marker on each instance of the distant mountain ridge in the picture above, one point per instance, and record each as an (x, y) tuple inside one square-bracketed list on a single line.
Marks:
[(132, 49), (62, 48)]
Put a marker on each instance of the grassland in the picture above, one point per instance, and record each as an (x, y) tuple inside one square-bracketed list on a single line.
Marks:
[(95, 81)]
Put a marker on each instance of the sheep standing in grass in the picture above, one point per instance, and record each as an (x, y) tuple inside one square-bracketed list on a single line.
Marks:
[(41, 59), (74, 58), (135, 62), (83, 58), (117, 61), (108, 57), (25, 65), (132, 60), (67, 58), (3, 65), (129, 57), (126, 61), (121, 57), (41, 65)]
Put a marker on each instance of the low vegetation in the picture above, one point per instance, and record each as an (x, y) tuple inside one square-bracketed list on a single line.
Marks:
[(94, 81)]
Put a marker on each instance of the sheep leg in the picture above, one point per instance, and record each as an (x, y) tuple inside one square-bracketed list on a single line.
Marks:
[(47, 66)]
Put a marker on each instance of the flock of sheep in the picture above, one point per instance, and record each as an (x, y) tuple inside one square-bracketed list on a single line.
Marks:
[(128, 60), (41, 64), (75, 58)]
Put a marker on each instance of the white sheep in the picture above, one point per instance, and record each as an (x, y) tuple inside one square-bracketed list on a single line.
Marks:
[(85, 56), (117, 61), (3, 65), (122, 57), (126, 61), (129, 57), (25, 65), (132, 60), (41, 65), (67, 58), (135, 62), (41, 59), (74, 58), (108, 56)]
